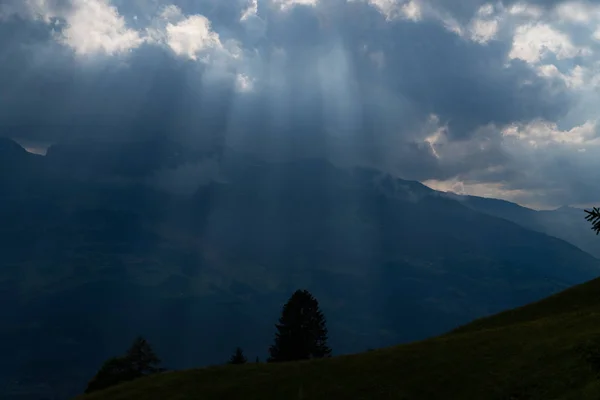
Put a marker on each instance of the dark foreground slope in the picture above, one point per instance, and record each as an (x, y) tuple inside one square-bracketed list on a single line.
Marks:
[(540, 351)]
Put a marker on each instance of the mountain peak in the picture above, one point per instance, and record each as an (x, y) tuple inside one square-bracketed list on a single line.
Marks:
[(564, 208), (567, 209)]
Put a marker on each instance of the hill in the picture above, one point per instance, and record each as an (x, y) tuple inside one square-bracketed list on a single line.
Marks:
[(541, 351), (564, 223), (93, 256)]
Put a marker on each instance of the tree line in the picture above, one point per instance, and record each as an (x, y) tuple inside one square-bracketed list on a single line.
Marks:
[(301, 333)]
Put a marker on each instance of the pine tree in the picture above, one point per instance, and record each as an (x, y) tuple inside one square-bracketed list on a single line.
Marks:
[(238, 357), (140, 360), (114, 371), (594, 217), (301, 331)]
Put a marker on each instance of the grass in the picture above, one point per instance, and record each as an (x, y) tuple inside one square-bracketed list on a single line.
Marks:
[(540, 351)]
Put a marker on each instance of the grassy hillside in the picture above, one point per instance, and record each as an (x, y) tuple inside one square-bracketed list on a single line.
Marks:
[(539, 351)]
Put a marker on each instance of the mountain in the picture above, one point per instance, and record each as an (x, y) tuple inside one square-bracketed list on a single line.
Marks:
[(544, 351), (565, 223), (92, 259), (11, 150), (128, 159), (12, 155)]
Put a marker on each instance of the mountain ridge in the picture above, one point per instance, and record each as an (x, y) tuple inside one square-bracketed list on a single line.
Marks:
[(391, 261), (566, 223)]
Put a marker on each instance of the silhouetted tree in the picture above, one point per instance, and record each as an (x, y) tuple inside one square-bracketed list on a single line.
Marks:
[(114, 371), (594, 217), (140, 360), (238, 357), (301, 331)]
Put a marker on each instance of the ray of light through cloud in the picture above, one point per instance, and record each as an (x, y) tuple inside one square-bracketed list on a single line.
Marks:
[(489, 98)]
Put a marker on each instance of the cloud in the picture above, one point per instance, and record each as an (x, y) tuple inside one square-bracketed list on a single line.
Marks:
[(534, 42), (543, 133), (190, 36), (250, 11), (96, 26), (92, 27), (44, 10), (284, 5), (392, 9), (86, 26), (474, 95), (542, 166)]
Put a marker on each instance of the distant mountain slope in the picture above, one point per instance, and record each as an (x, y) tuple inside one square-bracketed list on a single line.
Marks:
[(130, 159), (89, 263), (565, 223), (12, 156), (538, 352)]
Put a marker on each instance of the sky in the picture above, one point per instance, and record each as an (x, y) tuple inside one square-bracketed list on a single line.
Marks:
[(498, 99)]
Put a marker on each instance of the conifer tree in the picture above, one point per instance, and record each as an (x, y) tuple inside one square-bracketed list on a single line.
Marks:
[(114, 371), (301, 331), (140, 360), (594, 217), (238, 357)]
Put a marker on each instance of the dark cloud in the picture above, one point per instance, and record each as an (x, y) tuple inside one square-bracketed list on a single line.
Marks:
[(337, 80), (464, 82)]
